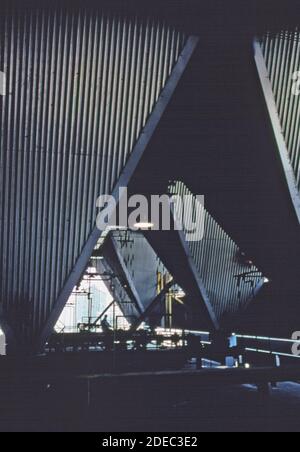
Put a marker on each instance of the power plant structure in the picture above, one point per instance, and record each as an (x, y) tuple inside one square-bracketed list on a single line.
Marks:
[(149, 207)]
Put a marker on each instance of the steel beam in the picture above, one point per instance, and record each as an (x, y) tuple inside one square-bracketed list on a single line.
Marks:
[(103, 313), (126, 176), (156, 301), (126, 273), (197, 279), (104, 266)]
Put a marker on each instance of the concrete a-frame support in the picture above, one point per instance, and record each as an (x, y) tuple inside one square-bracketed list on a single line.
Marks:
[(123, 182)]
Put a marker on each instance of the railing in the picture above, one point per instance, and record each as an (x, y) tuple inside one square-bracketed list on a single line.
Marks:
[(268, 349), (257, 351), (273, 347)]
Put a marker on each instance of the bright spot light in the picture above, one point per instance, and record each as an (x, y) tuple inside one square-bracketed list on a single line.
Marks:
[(266, 280), (144, 225), (247, 366)]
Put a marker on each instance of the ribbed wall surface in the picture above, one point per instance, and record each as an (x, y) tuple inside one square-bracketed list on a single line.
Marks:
[(282, 56), (80, 87), (217, 260)]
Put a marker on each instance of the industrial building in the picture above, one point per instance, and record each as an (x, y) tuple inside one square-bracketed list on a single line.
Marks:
[(192, 110)]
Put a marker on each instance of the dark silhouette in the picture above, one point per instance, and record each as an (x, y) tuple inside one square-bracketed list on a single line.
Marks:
[(106, 328)]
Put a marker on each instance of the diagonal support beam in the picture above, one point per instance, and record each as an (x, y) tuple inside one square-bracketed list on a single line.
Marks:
[(126, 273), (194, 273), (105, 267), (103, 313), (156, 301), (123, 182), (197, 280)]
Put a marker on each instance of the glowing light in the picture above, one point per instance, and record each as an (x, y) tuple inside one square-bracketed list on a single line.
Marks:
[(268, 352), (144, 225), (269, 339)]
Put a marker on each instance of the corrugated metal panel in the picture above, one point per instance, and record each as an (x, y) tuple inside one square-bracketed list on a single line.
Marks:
[(217, 260), (282, 57), (80, 87)]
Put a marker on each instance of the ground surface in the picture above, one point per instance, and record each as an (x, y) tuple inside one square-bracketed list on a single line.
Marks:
[(65, 407)]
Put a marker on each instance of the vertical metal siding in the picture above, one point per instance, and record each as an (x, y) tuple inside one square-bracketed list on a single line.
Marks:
[(80, 88), (282, 57), (216, 259)]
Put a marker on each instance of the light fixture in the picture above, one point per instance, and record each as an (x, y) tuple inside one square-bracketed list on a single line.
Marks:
[(266, 280), (247, 366), (144, 225)]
